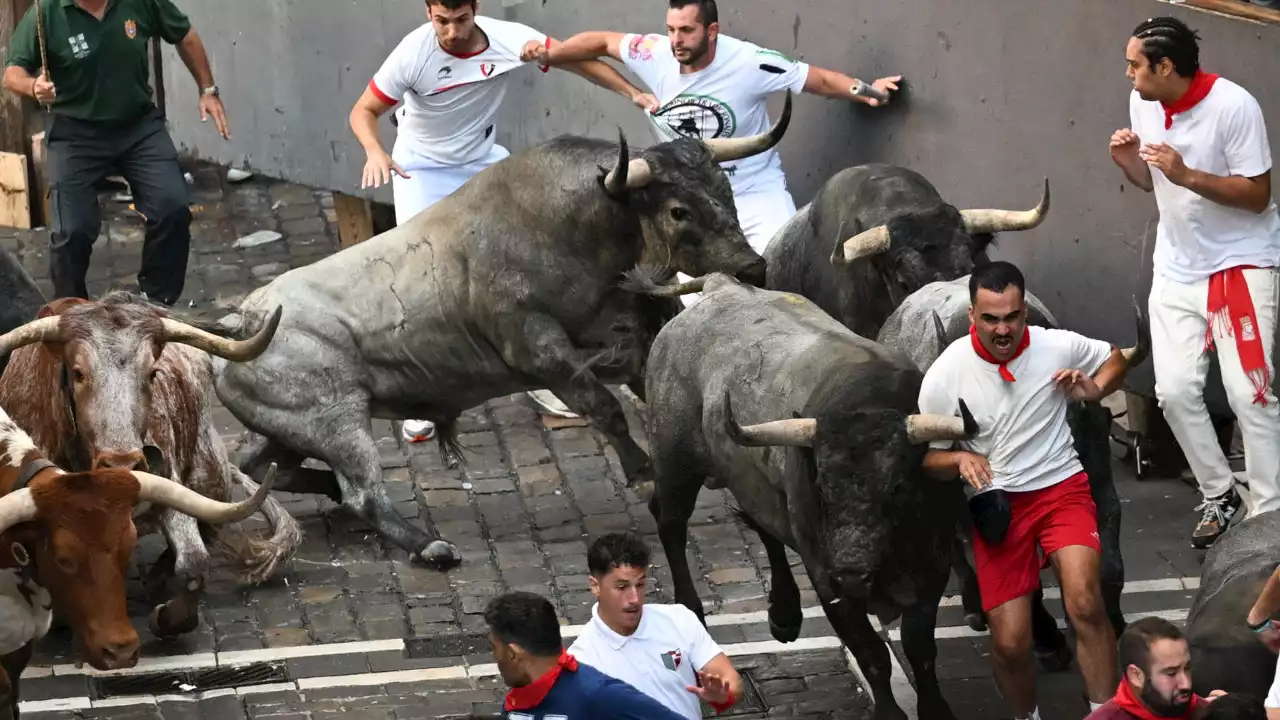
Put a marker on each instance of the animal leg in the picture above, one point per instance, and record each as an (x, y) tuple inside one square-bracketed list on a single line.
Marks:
[(970, 597), (785, 614), (181, 614), (921, 648), (290, 475), (538, 346), (849, 618), (10, 677), (671, 506)]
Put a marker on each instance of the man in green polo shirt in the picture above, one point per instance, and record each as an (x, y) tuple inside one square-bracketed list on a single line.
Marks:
[(102, 119)]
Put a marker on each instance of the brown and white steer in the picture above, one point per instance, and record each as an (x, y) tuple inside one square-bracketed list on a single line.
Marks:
[(65, 542), (117, 383)]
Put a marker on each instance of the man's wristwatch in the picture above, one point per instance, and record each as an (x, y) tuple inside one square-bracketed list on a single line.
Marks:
[(1260, 626), (211, 90)]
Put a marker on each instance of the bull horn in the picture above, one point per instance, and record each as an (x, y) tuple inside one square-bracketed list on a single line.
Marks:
[(1138, 354), (629, 174), (939, 330), (233, 350), (729, 149), (928, 428), (865, 244), (994, 221), (695, 285), (163, 491), (16, 508), (46, 329), (797, 432)]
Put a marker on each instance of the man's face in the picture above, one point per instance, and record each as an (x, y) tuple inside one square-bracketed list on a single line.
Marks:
[(508, 660), (453, 27), (690, 39), (621, 597), (1166, 689), (1150, 84), (1000, 319)]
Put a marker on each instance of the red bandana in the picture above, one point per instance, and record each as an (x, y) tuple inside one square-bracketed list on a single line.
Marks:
[(982, 352), (1125, 700), (1201, 84), (1232, 308), (532, 695)]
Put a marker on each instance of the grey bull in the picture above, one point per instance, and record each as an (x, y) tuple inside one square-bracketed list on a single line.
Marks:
[(923, 326), (814, 431), (511, 283)]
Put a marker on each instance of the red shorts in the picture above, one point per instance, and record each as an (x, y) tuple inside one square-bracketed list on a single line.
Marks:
[(1053, 518)]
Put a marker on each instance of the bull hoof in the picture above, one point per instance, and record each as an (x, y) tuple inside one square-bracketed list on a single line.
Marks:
[(441, 555), (643, 490), (976, 622), (784, 633), (162, 626)]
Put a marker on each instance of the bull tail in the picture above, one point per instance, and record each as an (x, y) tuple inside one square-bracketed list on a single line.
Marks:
[(255, 558)]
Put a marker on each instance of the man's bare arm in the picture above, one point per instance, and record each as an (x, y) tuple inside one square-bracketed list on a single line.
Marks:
[(721, 665), (1244, 193), (191, 50), (601, 74), (1111, 374), (838, 86), (378, 165), (18, 80), (1268, 602), (584, 46)]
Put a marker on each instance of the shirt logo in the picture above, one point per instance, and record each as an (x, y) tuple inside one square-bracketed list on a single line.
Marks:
[(445, 72), (487, 69), (671, 659), (79, 46), (131, 29), (696, 116), (641, 47)]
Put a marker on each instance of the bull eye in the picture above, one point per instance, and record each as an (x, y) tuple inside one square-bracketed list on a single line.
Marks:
[(77, 375), (67, 565), (680, 214)]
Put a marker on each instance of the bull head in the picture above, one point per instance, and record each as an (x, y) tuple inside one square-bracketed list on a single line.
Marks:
[(634, 174), (877, 240), (799, 432)]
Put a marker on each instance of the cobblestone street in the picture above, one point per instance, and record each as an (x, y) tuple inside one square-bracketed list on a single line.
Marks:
[(352, 629)]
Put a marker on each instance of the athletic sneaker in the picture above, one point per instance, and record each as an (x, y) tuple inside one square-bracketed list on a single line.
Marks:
[(416, 431), (1216, 515), (549, 404)]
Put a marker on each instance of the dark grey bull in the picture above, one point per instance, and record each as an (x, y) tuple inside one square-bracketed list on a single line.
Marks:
[(923, 326), (815, 432), (876, 233), (512, 283), (20, 297), (1225, 653)]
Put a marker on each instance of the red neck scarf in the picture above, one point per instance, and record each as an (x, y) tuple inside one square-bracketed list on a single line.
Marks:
[(1231, 308), (1004, 366), (1126, 701), (532, 695), (1201, 84)]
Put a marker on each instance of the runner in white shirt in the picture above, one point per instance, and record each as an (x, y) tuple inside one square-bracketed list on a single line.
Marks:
[(714, 86), (452, 75), (662, 650), (1200, 143), (1033, 506)]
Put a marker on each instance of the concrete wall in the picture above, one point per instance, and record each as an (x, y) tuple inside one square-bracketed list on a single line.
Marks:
[(1000, 94)]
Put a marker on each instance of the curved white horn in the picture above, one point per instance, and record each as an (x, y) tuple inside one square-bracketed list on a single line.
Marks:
[(46, 329), (927, 428), (16, 508), (729, 149), (163, 491), (865, 244), (796, 432), (993, 221), (233, 350), (627, 175)]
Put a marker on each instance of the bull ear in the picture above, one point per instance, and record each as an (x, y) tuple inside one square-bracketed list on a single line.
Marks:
[(156, 464)]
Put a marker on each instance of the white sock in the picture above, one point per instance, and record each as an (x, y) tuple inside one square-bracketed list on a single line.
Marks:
[(1035, 715), (1094, 706)]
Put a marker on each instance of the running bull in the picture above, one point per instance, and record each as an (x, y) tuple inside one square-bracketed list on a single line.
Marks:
[(119, 383), (923, 326), (814, 430), (876, 233), (511, 283)]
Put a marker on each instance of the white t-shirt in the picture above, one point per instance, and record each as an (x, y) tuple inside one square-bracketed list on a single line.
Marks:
[(451, 101), (659, 659), (725, 99), (1273, 694), (1022, 425), (1224, 134)]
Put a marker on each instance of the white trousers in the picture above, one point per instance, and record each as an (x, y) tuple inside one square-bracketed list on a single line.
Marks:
[(1179, 320), (429, 182), (761, 213)]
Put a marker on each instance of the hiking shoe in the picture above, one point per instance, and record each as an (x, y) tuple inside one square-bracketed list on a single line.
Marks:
[(1216, 515), (416, 431)]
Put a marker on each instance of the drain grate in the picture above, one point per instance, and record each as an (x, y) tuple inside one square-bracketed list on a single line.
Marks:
[(186, 681), (750, 703), (451, 645)]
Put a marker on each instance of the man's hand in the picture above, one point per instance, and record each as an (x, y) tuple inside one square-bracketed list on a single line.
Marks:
[(715, 689), (646, 101), (975, 470), (1124, 146), (212, 105), (1168, 160), (1077, 385), (1268, 635), (534, 50), (884, 85), (42, 90), (378, 169)]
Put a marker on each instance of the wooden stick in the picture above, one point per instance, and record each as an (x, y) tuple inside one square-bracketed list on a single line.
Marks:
[(44, 53)]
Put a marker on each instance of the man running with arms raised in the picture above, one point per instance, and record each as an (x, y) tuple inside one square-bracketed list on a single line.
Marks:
[(452, 74)]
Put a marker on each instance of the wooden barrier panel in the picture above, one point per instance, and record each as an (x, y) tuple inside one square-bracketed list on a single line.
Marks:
[(15, 204)]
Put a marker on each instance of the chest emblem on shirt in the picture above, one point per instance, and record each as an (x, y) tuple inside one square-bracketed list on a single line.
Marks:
[(696, 116), (131, 29), (641, 47), (79, 46), (445, 73), (671, 659), (487, 69)]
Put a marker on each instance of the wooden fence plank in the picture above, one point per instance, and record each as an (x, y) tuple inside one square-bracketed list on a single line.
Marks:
[(15, 205)]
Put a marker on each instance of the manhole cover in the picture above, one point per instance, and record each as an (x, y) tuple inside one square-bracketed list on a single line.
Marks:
[(186, 681), (453, 645)]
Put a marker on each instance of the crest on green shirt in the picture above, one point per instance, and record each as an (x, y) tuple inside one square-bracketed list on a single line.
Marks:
[(131, 29)]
